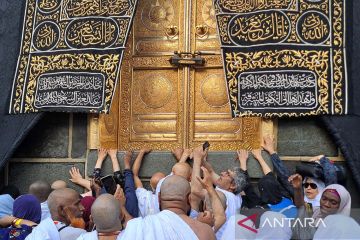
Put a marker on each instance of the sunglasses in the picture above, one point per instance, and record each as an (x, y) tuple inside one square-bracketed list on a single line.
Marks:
[(312, 185)]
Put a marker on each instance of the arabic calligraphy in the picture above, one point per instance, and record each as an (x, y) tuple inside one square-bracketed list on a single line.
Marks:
[(313, 27), (105, 8), (70, 89), (278, 99), (48, 5), (264, 27), (280, 89), (243, 6), (277, 80), (46, 36), (83, 81), (99, 32), (68, 98)]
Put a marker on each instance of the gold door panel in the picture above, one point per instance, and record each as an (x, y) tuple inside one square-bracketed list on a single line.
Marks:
[(158, 27), (204, 32), (211, 117), (162, 106), (155, 97)]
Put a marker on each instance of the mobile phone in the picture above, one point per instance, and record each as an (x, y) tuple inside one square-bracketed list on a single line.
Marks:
[(206, 145), (109, 184)]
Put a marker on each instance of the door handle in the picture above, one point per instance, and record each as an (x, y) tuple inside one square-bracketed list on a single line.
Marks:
[(171, 31), (202, 31)]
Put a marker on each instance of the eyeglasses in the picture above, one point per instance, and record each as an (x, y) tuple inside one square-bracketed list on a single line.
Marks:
[(312, 185)]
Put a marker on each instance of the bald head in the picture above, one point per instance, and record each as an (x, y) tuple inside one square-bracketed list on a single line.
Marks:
[(58, 184), (155, 178), (40, 189), (59, 199), (182, 170), (106, 214), (174, 188)]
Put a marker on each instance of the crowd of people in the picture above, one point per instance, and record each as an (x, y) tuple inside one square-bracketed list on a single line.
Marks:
[(193, 201)]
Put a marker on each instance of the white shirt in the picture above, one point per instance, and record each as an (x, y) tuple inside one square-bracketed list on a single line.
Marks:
[(45, 212), (68, 232), (146, 202)]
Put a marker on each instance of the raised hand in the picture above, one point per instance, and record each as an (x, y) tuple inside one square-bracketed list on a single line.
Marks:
[(206, 217), (243, 156), (112, 153), (257, 154), (145, 150), (268, 144), (177, 152), (102, 152), (198, 153), (95, 186), (76, 176), (296, 181), (119, 195), (127, 159), (206, 181)]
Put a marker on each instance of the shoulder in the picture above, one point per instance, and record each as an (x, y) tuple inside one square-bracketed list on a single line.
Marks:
[(202, 230)]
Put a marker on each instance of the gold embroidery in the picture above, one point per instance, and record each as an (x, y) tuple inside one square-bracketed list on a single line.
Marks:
[(61, 40)]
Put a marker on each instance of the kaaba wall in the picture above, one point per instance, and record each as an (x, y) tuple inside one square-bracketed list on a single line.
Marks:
[(59, 141)]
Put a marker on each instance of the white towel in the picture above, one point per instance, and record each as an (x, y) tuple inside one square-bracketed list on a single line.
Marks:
[(89, 236), (165, 225), (46, 230), (233, 203)]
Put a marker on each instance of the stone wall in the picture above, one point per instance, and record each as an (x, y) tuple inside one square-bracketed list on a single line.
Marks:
[(59, 140)]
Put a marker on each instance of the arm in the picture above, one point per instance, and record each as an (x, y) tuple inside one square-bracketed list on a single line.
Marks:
[(282, 171), (330, 176), (102, 153), (137, 165), (114, 160), (213, 174), (78, 179), (197, 193), (218, 210), (185, 155), (268, 145), (129, 189), (6, 221), (296, 181), (251, 199), (243, 156), (120, 196), (265, 168)]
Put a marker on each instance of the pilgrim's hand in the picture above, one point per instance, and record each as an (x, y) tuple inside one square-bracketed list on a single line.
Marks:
[(296, 180), (268, 144)]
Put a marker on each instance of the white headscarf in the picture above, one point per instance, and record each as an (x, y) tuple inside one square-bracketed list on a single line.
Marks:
[(345, 201), (320, 186), (338, 226), (274, 225)]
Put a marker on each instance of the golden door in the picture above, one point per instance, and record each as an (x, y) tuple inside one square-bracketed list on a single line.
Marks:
[(163, 105)]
